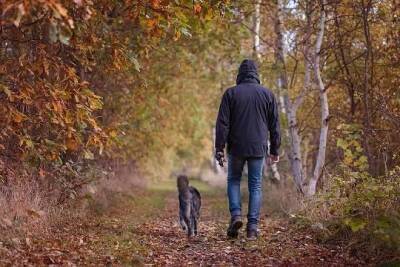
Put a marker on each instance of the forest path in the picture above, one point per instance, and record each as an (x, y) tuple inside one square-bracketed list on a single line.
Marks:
[(142, 229)]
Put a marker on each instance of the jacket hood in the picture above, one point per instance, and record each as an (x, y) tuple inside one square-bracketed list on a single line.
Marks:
[(247, 72)]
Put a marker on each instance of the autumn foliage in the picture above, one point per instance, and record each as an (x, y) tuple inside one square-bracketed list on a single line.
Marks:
[(90, 87), (74, 77)]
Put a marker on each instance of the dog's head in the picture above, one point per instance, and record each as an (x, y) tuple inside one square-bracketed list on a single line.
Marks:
[(182, 182)]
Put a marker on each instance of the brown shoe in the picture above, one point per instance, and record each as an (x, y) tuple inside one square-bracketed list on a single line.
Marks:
[(234, 226), (252, 234)]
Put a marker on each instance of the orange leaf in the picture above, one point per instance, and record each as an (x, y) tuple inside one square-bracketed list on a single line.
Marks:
[(18, 117), (61, 10), (155, 3), (72, 144), (197, 8), (151, 23), (42, 173)]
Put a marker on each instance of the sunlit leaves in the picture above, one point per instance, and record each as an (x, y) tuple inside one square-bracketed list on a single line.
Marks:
[(87, 50), (350, 144)]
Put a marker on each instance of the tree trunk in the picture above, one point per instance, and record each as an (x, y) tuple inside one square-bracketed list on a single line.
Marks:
[(256, 54), (294, 148), (368, 74), (320, 162), (256, 30)]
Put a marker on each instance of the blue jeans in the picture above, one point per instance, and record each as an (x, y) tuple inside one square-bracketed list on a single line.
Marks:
[(255, 168)]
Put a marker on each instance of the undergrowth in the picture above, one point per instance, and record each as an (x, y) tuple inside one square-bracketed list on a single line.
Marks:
[(358, 209)]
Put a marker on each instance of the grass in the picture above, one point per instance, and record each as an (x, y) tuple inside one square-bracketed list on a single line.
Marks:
[(169, 185)]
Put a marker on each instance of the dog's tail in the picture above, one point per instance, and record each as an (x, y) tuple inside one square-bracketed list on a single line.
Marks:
[(183, 183)]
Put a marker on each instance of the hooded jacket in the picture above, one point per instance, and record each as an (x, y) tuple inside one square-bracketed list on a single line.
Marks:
[(247, 113)]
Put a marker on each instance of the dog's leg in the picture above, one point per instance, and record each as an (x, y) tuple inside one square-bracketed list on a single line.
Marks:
[(189, 229), (187, 219), (192, 225), (183, 223), (195, 225)]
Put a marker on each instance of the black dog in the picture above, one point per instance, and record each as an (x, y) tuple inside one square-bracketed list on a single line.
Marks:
[(189, 206)]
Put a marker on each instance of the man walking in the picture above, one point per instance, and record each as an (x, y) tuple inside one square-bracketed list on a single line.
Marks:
[(247, 113)]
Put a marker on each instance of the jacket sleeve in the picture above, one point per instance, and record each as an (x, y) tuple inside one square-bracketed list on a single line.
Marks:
[(274, 126), (222, 124)]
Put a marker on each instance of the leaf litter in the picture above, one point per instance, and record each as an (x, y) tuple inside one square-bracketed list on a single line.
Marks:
[(138, 233)]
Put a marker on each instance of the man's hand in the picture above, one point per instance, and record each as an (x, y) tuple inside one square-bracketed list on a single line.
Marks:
[(273, 159), (220, 157)]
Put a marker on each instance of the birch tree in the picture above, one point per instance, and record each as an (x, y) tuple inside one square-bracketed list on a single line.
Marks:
[(320, 161), (311, 62), (294, 152), (256, 30), (257, 55)]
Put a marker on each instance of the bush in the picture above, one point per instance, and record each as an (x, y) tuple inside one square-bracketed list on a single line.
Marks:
[(362, 209), (368, 206)]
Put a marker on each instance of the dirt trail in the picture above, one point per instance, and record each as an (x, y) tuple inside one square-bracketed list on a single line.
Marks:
[(142, 229)]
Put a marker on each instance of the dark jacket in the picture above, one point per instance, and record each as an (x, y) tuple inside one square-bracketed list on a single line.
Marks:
[(247, 113)]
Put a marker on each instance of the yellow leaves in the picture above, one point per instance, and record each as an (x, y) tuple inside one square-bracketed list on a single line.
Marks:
[(71, 74), (87, 154), (93, 123), (95, 141), (113, 133), (177, 35), (68, 118), (6, 91), (26, 141), (353, 153)]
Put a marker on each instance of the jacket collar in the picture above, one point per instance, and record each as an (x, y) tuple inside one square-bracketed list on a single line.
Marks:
[(249, 77)]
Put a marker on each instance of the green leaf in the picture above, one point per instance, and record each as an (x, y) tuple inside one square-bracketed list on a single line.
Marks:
[(341, 143), (355, 224)]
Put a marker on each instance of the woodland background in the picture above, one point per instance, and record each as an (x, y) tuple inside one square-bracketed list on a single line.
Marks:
[(96, 91)]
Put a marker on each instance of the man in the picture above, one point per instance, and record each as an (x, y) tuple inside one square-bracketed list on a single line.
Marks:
[(247, 113)]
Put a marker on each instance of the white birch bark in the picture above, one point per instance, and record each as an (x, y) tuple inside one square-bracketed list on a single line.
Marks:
[(294, 148), (320, 161), (256, 53), (256, 30)]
